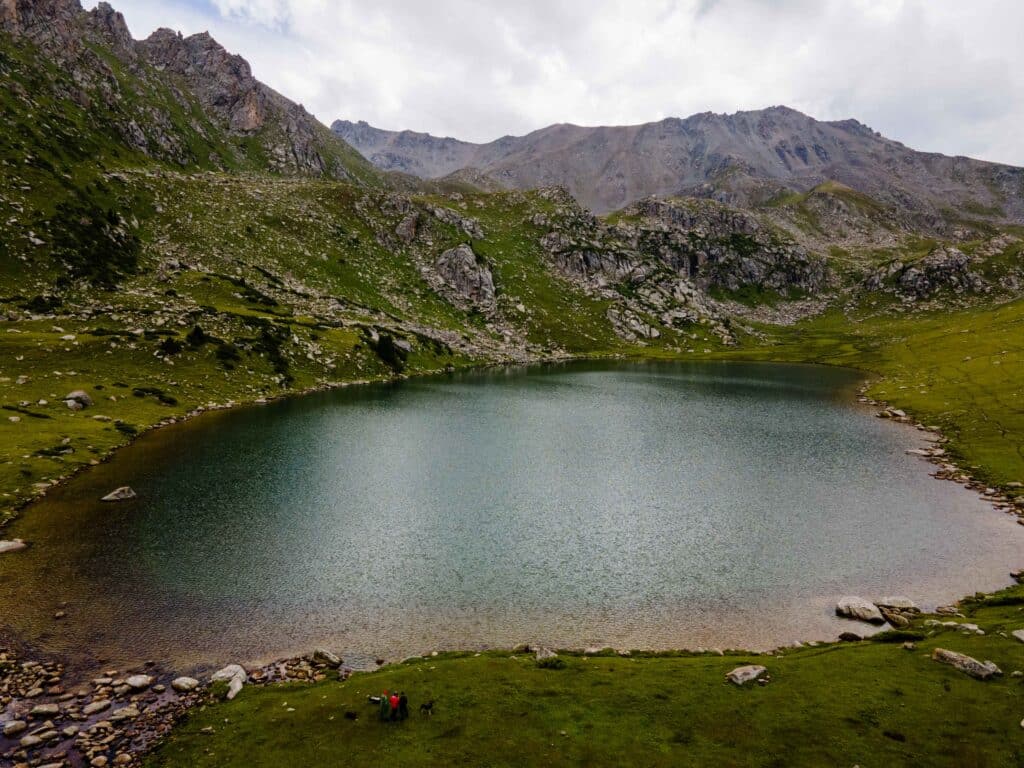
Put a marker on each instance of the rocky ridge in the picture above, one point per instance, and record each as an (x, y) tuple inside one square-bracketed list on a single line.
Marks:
[(745, 159)]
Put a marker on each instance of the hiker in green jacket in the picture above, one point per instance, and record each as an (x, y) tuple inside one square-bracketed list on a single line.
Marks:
[(385, 707)]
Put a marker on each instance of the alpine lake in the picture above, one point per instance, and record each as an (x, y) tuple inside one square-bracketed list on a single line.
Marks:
[(631, 505)]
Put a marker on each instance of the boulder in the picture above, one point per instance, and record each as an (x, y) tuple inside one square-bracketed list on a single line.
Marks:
[(860, 609), (545, 653), (124, 493), (467, 276), (1019, 634), (184, 684), (139, 682), (15, 545), (897, 603), (980, 670), (850, 637), (236, 677), (326, 657), (77, 400), (746, 674)]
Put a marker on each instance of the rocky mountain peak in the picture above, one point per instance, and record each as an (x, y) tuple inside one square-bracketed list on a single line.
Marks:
[(222, 81)]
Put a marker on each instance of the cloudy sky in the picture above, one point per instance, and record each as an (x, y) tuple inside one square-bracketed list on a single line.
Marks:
[(939, 75)]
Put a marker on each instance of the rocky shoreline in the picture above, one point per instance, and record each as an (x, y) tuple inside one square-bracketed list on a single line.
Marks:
[(47, 718), (947, 469)]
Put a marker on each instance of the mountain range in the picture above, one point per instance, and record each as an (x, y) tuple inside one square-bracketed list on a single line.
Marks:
[(746, 158)]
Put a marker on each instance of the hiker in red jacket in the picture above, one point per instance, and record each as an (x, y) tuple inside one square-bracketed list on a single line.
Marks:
[(393, 701)]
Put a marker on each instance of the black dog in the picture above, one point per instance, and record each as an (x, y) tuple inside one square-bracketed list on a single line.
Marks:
[(427, 708)]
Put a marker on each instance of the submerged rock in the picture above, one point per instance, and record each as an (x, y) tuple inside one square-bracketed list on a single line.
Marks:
[(980, 670), (746, 674), (124, 493), (860, 609)]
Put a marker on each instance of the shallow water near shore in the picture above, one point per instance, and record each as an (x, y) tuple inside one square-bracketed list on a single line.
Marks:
[(636, 505)]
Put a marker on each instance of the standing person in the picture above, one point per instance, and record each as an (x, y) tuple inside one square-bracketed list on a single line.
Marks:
[(385, 707), (403, 706), (393, 701)]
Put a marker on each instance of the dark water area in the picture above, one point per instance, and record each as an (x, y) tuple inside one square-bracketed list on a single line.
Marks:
[(631, 505)]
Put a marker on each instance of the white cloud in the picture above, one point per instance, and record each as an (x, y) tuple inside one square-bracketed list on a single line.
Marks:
[(939, 75)]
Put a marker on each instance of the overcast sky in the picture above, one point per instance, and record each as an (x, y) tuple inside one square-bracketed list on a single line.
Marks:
[(939, 75)]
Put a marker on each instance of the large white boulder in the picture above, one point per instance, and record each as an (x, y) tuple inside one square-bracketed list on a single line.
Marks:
[(236, 677), (746, 674), (858, 608)]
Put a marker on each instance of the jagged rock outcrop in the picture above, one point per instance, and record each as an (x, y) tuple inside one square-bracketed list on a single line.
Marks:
[(469, 227), (185, 71), (945, 268), (467, 276)]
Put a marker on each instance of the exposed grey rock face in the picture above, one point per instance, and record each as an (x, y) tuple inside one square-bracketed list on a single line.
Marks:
[(470, 227), (469, 277), (980, 670), (945, 268), (741, 158)]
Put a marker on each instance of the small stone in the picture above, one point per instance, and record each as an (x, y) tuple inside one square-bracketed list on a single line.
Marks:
[(96, 706), (124, 493), (908, 646), (45, 710), (125, 713), (100, 761), (850, 637), (14, 727)]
